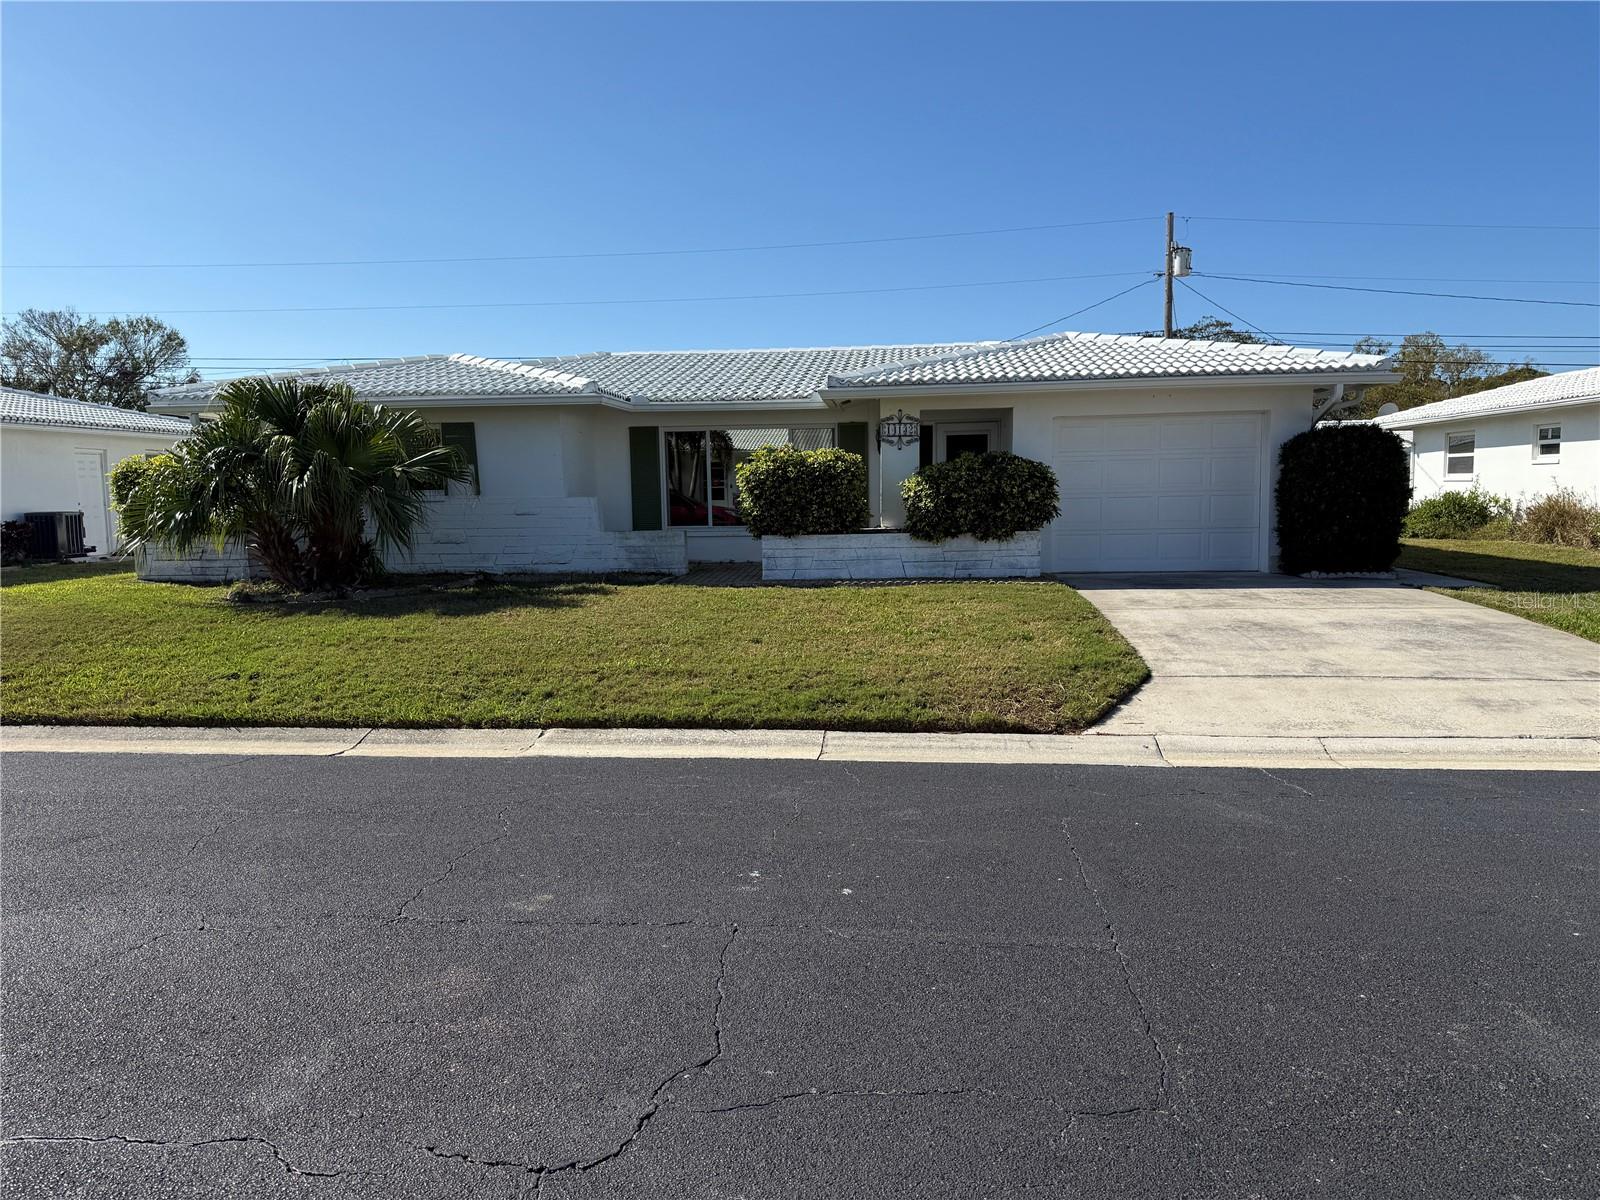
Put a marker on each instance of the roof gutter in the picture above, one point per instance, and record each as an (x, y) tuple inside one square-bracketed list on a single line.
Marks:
[(1404, 420), (833, 395)]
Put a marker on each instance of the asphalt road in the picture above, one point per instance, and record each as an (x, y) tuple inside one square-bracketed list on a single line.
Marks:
[(592, 978)]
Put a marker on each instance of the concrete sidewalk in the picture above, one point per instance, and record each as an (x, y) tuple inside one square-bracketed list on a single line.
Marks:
[(1273, 656), (1092, 749)]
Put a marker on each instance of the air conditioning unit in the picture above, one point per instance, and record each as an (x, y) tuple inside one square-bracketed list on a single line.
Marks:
[(55, 534)]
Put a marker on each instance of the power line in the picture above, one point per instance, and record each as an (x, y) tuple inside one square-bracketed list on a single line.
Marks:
[(1229, 311), (375, 262), (1086, 308), (1339, 287), (1391, 224), (1423, 278), (922, 287)]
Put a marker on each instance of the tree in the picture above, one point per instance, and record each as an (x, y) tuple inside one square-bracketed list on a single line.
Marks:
[(1209, 329), (1431, 370), (118, 362), (295, 472)]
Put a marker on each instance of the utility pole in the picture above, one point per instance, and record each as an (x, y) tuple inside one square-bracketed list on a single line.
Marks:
[(1166, 274)]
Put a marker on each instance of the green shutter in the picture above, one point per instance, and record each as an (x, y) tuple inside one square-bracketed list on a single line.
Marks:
[(463, 435), (925, 447), (644, 468), (853, 437)]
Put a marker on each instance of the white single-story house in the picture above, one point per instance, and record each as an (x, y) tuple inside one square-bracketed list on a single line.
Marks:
[(1521, 441), (1166, 449), (55, 453)]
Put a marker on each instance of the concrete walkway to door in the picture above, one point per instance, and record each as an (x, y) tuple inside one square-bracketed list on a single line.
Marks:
[(1274, 656)]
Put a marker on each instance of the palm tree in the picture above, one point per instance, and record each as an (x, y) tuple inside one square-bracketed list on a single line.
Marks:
[(295, 471)]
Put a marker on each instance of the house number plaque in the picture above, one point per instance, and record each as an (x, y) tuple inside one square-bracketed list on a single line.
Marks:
[(899, 430)]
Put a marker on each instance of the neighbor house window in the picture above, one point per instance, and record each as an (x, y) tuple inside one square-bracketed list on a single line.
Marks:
[(1547, 444), (463, 435), (1458, 455), (702, 489)]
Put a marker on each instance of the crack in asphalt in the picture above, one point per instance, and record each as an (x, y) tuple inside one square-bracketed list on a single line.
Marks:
[(450, 865), (653, 1105), (1125, 965), (116, 1139)]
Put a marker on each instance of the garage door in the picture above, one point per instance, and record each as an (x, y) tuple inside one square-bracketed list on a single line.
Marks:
[(1158, 493)]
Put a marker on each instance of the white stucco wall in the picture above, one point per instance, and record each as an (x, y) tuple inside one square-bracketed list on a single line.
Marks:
[(1504, 455), (38, 467), (1284, 409)]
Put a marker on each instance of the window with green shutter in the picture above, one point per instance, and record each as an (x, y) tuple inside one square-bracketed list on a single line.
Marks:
[(644, 473)]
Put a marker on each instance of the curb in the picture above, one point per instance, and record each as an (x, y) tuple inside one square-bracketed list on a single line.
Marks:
[(1092, 749)]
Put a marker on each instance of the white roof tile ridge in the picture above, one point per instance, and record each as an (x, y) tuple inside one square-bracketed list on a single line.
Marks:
[(966, 344), (579, 384), (296, 372)]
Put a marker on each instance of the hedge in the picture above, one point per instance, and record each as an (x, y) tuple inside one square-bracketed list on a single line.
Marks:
[(786, 492), (1455, 514), (991, 497), (1342, 495)]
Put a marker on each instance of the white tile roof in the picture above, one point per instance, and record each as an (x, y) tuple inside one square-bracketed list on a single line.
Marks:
[(794, 375), (19, 407), (433, 375), (1074, 357), (689, 376), (1569, 387)]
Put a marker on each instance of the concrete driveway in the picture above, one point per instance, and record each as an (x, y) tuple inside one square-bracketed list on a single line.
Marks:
[(1273, 656)]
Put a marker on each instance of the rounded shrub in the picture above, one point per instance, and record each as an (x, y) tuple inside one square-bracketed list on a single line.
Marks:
[(988, 496), (1342, 495), (784, 492), (128, 474), (1455, 514)]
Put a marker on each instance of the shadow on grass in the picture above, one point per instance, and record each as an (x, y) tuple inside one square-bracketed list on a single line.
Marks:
[(1512, 574), (58, 572), (468, 601)]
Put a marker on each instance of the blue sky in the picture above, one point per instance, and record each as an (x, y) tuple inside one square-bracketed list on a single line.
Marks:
[(196, 133)]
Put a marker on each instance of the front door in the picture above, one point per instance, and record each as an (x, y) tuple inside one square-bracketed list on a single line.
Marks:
[(967, 437), (91, 477)]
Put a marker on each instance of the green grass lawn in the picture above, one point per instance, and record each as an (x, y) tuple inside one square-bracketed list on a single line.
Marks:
[(97, 646), (1555, 585)]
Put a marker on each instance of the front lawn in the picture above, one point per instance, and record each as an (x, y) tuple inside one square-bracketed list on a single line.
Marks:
[(1555, 585), (100, 647)]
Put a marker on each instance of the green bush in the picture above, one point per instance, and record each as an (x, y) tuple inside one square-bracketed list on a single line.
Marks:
[(1456, 514), (1562, 518), (989, 496), (130, 473), (16, 540), (1342, 495), (784, 492)]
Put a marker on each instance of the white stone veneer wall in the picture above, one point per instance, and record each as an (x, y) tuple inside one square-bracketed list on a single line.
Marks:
[(549, 535), (896, 555), (554, 536), (206, 565)]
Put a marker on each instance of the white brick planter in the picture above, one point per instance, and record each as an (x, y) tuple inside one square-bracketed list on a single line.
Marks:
[(893, 554), (155, 564), (561, 536)]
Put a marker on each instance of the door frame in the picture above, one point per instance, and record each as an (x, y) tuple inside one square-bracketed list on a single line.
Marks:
[(105, 498), (943, 429)]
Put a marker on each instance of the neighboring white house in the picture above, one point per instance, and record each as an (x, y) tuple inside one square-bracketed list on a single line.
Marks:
[(55, 453), (1521, 441), (1166, 449)]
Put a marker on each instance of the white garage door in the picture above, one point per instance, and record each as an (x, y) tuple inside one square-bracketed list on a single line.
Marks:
[(1158, 493)]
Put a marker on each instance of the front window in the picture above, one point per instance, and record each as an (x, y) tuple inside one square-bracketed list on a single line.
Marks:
[(1547, 444), (1459, 455), (701, 486)]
